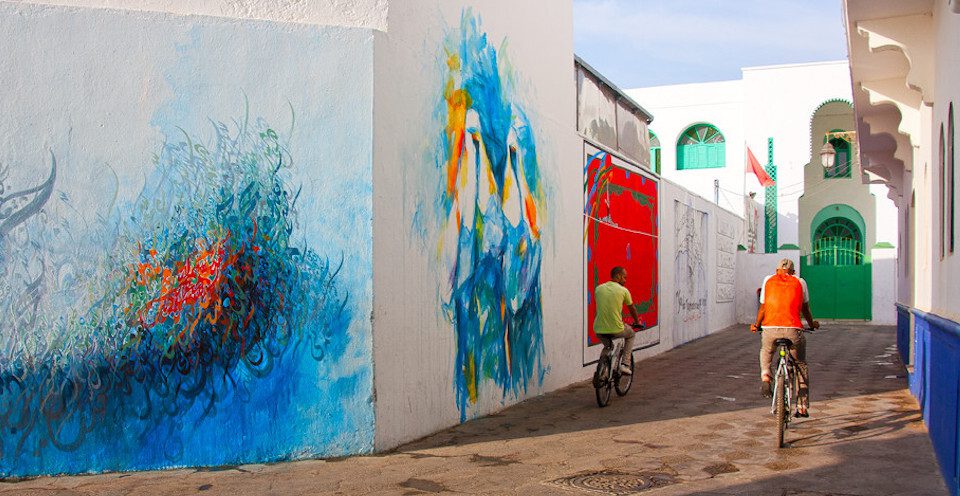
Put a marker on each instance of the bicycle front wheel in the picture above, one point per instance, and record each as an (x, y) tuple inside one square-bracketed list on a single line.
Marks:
[(780, 400), (624, 381)]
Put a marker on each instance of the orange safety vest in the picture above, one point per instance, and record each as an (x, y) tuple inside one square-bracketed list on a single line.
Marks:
[(782, 300)]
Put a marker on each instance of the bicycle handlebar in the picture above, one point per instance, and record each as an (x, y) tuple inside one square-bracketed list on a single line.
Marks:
[(805, 329)]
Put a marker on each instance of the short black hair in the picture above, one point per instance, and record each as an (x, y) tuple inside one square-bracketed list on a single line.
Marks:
[(616, 271)]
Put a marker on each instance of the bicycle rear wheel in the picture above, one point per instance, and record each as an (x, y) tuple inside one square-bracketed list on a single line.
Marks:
[(603, 385), (780, 400), (624, 381)]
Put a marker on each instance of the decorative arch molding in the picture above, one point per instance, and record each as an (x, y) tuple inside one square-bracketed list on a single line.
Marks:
[(912, 35), (838, 210), (828, 102), (814, 146)]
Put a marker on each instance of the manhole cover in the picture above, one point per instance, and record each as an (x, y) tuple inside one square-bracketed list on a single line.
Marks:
[(616, 483)]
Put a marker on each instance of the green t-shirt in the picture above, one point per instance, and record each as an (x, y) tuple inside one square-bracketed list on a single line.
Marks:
[(610, 297)]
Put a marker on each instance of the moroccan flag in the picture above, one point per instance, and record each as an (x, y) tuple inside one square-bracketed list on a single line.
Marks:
[(753, 165)]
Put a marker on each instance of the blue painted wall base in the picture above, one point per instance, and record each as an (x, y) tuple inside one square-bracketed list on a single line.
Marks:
[(935, 382)]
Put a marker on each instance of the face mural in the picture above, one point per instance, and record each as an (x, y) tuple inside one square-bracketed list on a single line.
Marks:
[(199, 308), (490, 207)]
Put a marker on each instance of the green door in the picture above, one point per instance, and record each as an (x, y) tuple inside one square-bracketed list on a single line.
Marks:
[(838, 273)]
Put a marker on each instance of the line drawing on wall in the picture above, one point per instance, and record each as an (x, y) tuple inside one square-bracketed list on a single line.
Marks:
[(690, 293), (490, 207), (621, 228), (726, 260)]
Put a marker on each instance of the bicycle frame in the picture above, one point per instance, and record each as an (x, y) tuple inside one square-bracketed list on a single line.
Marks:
[(788, 369)]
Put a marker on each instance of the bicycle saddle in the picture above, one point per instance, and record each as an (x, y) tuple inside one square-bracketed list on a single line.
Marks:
[(783, 342)]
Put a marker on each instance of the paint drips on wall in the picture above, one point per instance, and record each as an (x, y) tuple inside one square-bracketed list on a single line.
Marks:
[(490, 208)]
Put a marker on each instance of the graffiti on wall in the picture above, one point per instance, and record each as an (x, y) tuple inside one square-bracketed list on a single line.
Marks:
[(490, 206), (621, 229), (726, 260), (690, 269), (175, 312)]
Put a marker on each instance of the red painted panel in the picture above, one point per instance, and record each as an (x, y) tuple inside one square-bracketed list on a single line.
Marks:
[(621, 228)]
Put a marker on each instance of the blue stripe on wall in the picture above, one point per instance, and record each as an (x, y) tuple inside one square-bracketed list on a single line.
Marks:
[(936, 384)]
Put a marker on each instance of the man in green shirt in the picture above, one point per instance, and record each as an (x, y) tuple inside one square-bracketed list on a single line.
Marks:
[(610, 298)]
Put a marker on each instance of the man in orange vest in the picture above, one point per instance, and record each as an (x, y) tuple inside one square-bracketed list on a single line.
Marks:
[(783, 298)]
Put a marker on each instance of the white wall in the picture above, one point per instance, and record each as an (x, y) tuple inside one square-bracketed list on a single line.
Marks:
[(716, 316), (354, 13), (415, 346), (884, 265), (944, 285), (751, 269), (677, 107), (773, 101)]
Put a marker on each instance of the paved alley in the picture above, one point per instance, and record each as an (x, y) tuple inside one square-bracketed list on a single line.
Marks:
[(694, 424)]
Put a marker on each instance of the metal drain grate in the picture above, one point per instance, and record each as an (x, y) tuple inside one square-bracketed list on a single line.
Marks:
[(615, 483)]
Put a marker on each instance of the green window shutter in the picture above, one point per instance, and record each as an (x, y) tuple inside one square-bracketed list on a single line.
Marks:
[(701, 146)]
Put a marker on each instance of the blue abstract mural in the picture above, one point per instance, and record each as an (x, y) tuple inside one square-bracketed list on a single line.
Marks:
[(209, 312), (490, 198)]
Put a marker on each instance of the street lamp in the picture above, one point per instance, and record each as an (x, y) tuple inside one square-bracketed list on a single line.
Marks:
[(828, 155)]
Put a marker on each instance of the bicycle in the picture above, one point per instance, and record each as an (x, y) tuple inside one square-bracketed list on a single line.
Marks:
[(786, 386), (607, 377)]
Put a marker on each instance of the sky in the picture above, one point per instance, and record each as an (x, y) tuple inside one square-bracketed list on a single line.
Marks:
[(638, 43)]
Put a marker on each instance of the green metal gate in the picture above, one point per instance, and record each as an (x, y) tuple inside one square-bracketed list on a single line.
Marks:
[(839, 278)]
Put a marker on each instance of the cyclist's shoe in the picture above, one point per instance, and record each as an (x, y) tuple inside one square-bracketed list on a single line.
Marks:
[(765, 389), (802, 414), (625, 370)]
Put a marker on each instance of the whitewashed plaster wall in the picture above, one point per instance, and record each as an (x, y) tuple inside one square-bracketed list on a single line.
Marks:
[(771, 101), (353, 13), (944, 298), (820, 192), (779, 102), (676, 108), (415, 345), (884, 265), (717, 316), (751, 269)]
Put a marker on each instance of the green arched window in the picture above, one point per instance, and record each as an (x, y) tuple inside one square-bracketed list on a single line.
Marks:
[(842, 163), (654, 152), (838, 241), (701, 146)]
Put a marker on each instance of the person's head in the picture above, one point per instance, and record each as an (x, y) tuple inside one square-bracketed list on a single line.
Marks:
[(786, 265), (618, 274)]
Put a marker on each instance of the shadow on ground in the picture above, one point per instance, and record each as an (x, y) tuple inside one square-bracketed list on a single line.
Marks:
[(713, 375)]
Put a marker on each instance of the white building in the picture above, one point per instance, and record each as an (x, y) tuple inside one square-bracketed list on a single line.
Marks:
[(783, 114), (906, 87)]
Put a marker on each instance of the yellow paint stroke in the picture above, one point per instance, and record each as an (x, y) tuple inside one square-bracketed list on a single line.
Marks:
[(471, 377)]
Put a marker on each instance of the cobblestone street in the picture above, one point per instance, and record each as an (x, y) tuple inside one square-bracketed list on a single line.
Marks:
[(694, 424)]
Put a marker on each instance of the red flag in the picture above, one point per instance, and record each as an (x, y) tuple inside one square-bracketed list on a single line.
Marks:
[(753, 165)]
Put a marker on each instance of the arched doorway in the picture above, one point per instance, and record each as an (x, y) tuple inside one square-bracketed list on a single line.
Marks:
[(837, 268), (837, 241)]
